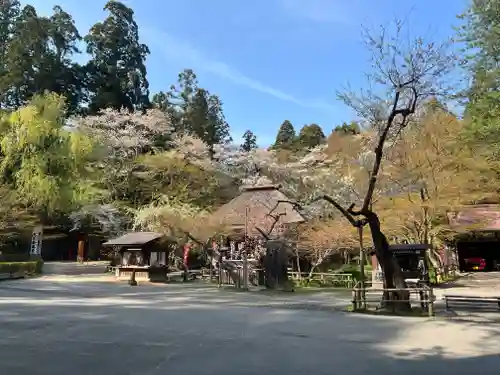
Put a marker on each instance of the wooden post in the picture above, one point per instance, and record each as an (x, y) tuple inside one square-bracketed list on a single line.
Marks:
[(210, 266), (220, 268), (362, 267), (430, 302), (245, 270), (81, 248), (244, 253), (132, 281)]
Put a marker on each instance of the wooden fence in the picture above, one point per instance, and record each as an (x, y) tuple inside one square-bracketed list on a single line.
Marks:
[(364, 298), (325, 278)]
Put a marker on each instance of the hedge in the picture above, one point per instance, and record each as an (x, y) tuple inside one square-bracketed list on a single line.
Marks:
[(30, 268), (11, 258)]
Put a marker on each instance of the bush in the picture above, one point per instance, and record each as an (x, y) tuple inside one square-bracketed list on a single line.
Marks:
[(10, 258), (30, 268)]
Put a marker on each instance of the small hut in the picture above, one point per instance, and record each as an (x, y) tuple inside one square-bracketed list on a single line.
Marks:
[(260, 209), (140, 252), (257, 207)]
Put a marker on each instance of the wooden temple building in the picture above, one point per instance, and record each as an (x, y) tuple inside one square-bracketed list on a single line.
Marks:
[(261, 208), (255, 221), (142, 252)]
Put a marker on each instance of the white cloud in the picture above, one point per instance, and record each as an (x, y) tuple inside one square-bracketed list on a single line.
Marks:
[(173, 48)]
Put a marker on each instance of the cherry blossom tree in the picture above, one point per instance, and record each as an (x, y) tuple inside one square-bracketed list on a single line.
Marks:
[(319, 240), (406, 73)]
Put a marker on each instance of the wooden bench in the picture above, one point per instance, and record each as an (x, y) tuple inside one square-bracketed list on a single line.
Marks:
[(474, 302)]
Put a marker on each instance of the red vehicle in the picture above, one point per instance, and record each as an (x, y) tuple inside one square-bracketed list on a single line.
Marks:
[(475, 264)]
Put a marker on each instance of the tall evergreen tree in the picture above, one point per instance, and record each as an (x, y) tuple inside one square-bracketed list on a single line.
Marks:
[(205, 119), (286, 136), (9, 12), (181, 97), (66, 77), (481, 34), (117, 71), (37, 55), (311, 136), (249, 141), (25, 58)]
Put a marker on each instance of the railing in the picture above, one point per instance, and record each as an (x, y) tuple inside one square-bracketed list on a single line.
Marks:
[(324, 278), (225, 275), (364, 298)]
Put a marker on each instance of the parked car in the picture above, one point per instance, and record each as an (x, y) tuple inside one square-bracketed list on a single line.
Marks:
[(475, 264)]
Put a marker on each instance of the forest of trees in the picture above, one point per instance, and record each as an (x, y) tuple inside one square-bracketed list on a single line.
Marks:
[(89, 144)]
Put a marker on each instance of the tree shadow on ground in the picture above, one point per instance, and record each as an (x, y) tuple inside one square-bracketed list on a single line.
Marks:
[(115, 329)]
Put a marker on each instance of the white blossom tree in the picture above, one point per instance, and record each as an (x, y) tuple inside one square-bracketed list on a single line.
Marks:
[(406, 73)]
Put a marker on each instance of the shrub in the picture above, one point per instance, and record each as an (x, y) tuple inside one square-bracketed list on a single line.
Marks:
[(10, 258), (30, 268)]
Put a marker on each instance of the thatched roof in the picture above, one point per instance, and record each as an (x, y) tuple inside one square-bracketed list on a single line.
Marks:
[(252, 208), (134, 239), (481, 217)]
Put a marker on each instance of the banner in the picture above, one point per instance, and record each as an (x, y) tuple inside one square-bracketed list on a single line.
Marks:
[(36, 241), (187, 248)]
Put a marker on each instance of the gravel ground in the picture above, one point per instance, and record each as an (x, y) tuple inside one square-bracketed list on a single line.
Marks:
[(86, 325)]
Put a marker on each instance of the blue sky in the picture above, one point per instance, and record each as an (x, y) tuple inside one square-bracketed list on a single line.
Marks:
[(268, 60)]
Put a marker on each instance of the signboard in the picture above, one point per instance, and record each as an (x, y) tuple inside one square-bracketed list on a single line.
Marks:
[(36, 241)]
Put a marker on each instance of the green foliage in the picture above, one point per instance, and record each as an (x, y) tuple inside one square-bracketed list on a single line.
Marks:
[(286, 136), (41, 159), (36, 54), (311, 136), (480, 32), (117, 71), (205, 119), (249, 141), (166, 174), (483, 128), (30, 268), (351, 128)]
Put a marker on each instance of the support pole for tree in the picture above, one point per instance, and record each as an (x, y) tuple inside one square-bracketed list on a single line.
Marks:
[(220, 270), (244, 253), (245, 270), (362, 267)]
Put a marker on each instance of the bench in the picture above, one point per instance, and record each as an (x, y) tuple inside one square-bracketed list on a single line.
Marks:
[(472, 302)]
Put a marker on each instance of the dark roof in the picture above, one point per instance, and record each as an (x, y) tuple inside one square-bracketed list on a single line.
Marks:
[(134, 239), (409, 246), (480, 217), (253, 206)]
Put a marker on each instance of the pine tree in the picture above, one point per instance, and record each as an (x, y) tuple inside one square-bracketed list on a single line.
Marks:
[(286, 136), (249, 141), (311, 136), (481, 34), (117, 71), (205, 119)]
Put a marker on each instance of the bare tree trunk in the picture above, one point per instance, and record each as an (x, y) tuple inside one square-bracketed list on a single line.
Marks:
[(311, 271), (393, 277), (297, 260)]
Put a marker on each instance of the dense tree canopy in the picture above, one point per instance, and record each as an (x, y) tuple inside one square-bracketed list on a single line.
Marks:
[(89, 139)]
